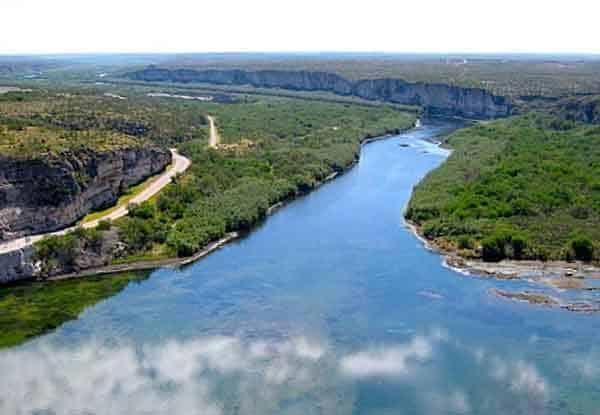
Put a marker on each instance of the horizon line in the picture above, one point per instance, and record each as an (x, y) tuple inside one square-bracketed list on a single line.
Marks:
[(306, 52)]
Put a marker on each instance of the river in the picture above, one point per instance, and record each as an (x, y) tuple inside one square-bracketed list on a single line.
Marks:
[(331, 306)]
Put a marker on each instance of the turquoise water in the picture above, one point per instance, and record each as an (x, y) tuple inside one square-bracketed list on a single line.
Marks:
[(331, 306)]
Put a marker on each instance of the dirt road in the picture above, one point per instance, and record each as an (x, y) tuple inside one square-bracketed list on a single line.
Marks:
[(213, 139)]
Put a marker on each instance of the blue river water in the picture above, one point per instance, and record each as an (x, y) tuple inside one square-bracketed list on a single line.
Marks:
[(331, 306)]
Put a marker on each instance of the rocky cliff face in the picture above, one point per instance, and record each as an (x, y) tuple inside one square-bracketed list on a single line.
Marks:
[(16, 265), (584, 109), (39, 196), (436, 98)]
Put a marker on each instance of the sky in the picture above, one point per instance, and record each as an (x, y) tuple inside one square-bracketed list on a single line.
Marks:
[(422, 26)]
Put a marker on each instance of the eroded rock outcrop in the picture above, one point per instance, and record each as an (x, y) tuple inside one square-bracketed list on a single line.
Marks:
[(436, 98), (583, 109), (17, 265), (44, 195)]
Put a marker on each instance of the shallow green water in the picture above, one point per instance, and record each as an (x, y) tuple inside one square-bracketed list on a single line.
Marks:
[(331, 306)]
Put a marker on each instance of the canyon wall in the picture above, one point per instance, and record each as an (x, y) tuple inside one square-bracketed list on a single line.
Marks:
[(583, 109), (43, 195), (438, 99)]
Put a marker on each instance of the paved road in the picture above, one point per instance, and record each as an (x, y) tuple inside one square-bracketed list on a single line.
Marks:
[(180, 164), (213, 139)]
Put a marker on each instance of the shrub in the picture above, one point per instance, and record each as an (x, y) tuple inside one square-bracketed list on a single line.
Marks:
[(93, 237), (464, 242), (503, 244), (145, 210), (104, 225), (492, 249), (183, 246), (422, 214), (519, 243), (56, 250), (581, 248), (79, 232)]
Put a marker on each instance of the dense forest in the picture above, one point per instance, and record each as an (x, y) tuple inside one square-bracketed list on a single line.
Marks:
[(521, 188)]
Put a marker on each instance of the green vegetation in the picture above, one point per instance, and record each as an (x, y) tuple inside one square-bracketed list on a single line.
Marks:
[(61, 252), (104, 225), (24, 142), (32, 309), (79, 112), (522, 188), (280, 147), (273, 148)]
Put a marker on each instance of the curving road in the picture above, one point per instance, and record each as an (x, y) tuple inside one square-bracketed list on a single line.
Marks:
[(180, 164), (213, 139)]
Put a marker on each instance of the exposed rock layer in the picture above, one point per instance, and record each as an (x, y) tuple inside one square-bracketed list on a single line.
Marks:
[(436, 98), (584, 109), (38, 196), (16, 265)]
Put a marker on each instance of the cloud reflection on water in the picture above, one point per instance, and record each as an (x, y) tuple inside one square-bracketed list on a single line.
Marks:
[(220, 375)]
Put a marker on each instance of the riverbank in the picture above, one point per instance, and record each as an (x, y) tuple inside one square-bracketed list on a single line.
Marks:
[(556, 275), (514, 201), (148, 265), (521, 188)]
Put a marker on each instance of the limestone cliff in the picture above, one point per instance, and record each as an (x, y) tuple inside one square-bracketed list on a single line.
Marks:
[(584, 109), (436, 98), (44, 195), (17, 265)]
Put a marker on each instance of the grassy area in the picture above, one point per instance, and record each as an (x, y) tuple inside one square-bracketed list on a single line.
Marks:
[(526, 187), (31, 142), (75, 112), (32, 309)]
